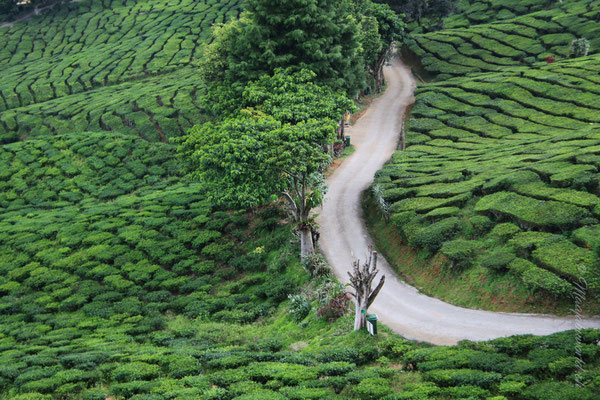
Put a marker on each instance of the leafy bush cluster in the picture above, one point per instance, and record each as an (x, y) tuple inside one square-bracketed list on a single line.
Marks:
[(102, 238)]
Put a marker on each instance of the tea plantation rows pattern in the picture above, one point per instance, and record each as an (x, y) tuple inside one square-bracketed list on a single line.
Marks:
[(153, 109), (523, 40), (101, 224), (508, 161), (86, 45), (475, 12)]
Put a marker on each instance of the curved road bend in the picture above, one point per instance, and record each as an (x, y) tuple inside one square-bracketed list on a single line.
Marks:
[(344, 237)]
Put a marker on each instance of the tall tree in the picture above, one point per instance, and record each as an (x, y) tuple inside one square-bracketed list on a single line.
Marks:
[(252, 158), (380, 27), (319, 35), (270, 145)]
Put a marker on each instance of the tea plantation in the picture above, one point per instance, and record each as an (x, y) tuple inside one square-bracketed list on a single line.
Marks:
[(525, 39), (500, 175), (96, 65), (120, 280)]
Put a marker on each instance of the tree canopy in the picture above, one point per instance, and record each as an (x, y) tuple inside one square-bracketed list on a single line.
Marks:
[(338, 40), (270, 146)]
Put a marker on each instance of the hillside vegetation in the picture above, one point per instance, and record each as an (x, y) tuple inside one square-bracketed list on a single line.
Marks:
[(500, 173), (472, 46), (121, 279), (123, 66)]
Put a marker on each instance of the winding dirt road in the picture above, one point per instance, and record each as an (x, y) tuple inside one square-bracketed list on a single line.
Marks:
[(344, 237)]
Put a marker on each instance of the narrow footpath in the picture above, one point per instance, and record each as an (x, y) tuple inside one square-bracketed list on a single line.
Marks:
[(344, 237)]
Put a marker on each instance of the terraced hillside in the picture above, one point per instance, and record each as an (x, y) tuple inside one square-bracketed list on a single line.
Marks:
[(475, 12), (86, 64), (523, 40), (500, 173)]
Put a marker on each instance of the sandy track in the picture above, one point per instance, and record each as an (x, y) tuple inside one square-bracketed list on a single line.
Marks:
[(344, 237)]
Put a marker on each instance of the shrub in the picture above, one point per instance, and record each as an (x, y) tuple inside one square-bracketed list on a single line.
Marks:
[(556, 391), (564, 258), (135, 371), (538, 278), (460, 377), (336, 368), (460, 252), (431, 237), (531, 212), (505, 231), (216, 394), (478, 225), (316, 265), (299, 307), (288, 374), (333, 307), (511, 388), (498, 258), (579, 47), (183, 366), (306, 393), (372, 388), (261, 394)]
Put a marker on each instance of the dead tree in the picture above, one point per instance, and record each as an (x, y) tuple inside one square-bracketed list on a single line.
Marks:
[(361, 281)]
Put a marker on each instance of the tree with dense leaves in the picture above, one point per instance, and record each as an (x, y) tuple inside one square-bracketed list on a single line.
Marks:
[(380, 27), (295, 97), (318, 35), (270, 145), (251, 159)]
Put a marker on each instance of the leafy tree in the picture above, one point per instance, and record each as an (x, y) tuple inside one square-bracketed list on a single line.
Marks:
[(294, 97), (252, 158), (380, 27), (319, 35), (418, 9)]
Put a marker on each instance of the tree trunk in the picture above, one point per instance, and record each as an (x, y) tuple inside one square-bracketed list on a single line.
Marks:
[(360, 317), (361, 281), (402, 137), (306, 243)]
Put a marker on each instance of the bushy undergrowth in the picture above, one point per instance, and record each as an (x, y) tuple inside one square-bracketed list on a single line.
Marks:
[(518, 150)]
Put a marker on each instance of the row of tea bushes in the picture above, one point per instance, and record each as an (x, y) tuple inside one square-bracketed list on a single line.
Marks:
[(495, 46), (154, 109), (505, 165), (81, 45)]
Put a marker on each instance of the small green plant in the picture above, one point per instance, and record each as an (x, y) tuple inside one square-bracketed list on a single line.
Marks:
[(299, 307), (316, 265), (579, 47)]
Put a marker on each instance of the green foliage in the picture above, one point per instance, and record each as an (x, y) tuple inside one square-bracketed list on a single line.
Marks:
[(372, 388), (299, 307), (324, 40), (498, 259), (316, 265), (491, 35), (460, 252), (432, 237)]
